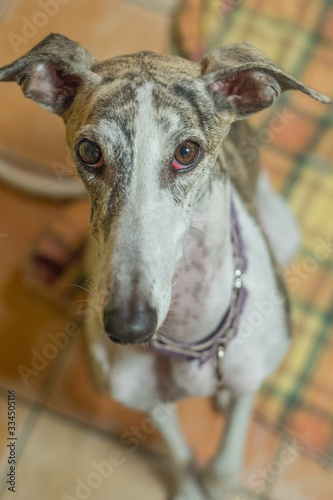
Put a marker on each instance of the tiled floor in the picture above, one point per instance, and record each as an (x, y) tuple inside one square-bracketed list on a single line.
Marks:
[(83, 462), (65, 429)]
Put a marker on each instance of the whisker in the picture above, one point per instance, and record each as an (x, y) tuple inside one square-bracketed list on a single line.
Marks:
[(204, 234), (89, 286), (205, 222), (81, 287)]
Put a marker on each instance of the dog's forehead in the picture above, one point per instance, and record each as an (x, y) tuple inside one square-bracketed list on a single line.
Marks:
[(177, 92), (157, 66), (172, 77)]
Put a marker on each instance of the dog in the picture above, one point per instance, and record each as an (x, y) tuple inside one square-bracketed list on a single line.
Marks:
[(191, 238)]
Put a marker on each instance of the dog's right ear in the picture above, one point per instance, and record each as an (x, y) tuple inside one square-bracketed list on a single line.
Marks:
[(242, 80), (51, 72)]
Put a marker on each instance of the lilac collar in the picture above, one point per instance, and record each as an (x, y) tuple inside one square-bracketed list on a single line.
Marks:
[(215, 343)]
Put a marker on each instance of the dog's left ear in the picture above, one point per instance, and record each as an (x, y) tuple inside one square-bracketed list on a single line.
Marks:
[(51, 72), (243, 80)]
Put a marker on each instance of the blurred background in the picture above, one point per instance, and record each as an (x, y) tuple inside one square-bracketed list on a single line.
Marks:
[(63, 424)]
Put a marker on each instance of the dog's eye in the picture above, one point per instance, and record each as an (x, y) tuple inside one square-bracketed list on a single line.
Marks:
[(90, 153), (187, 155)]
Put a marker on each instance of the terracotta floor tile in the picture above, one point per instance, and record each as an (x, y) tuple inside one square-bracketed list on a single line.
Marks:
[(303, 479), (82, 465)]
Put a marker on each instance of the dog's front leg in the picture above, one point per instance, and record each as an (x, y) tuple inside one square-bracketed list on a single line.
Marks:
[(187, 486), (222, 471)]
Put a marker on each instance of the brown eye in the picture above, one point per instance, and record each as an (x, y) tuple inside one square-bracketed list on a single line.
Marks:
[(90, 154), (187, 155)]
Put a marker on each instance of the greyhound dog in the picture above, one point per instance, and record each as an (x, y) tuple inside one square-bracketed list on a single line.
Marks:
[(190, 235)]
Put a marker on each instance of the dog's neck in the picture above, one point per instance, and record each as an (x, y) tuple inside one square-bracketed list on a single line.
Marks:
[(203, 283)]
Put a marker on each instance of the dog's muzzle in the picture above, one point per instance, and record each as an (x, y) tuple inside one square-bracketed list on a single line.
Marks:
[(135, 323)]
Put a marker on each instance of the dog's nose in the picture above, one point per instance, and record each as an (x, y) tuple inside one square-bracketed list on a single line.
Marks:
[(130, 325)]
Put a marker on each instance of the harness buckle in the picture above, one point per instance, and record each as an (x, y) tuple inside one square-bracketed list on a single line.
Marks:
[(239, 278), (219, 367)]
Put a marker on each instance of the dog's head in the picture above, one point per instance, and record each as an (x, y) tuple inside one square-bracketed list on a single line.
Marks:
[(144, 131)]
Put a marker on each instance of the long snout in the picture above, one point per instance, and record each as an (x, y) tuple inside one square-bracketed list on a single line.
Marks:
[(137, 280), (141, 251)]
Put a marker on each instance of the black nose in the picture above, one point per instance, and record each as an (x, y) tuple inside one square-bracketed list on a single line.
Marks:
[(133, 324)]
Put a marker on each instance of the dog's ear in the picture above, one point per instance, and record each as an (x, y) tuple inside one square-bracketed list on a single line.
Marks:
[(243, 80), (51, 72)]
